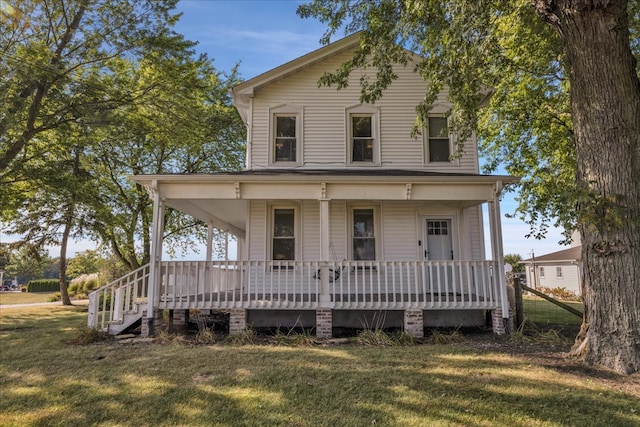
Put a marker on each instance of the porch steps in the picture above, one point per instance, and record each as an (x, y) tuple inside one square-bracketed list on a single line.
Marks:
[(126, 319)]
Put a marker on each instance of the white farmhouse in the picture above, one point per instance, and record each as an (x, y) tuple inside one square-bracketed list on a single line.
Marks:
[(339, 215)]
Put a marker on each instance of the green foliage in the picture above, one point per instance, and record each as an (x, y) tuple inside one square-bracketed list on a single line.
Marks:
[(514, 261), (467, 47), (55, 297), (94, 92), (43, 285)]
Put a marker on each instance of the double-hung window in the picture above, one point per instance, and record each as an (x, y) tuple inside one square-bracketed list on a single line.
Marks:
[(283, 239), (363, 135), (559, 272), (364, 235), (285, 142), (438, 141), (285, 147), (362, 138)]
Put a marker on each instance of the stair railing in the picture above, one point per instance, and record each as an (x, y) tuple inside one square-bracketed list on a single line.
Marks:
[(124, 295)]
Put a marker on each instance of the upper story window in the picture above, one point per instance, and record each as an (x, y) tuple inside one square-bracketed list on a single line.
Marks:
[(362, 138), (363, 130), (559, 272), (285, 149), (364, 235), (541, 271), (285, 145), (438, 140)]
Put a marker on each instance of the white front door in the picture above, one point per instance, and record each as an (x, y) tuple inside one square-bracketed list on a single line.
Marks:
[(439, 241), (438, 276)]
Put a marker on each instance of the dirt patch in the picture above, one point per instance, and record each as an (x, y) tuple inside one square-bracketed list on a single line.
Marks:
[(541, 348)]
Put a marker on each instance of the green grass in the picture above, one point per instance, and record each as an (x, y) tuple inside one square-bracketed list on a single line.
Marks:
[(24, 297), (540, 311), (45, 381)]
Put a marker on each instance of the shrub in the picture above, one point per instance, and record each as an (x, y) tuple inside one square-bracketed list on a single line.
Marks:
[(55, 297), (560, 293), (43, 285)]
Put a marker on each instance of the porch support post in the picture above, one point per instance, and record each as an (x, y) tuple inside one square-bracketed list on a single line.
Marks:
[(209, 242), (498, 256), (325, 296), (157, 231)]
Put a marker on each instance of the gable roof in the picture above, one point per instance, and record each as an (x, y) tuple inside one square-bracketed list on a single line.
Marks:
[(242, 92), (565, 255)]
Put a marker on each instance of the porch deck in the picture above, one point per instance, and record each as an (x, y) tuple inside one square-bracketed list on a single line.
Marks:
[(299, 285)]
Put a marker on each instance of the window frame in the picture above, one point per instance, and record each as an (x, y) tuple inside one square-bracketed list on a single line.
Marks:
[(296, 232), (286, 110), (363, 111), (427, 141), (377, 231)]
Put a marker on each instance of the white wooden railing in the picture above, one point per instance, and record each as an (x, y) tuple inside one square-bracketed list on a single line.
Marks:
[(381, 285), (111, 302), (352, 284)]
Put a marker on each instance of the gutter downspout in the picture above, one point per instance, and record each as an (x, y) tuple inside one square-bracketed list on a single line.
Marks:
[(500, 257)]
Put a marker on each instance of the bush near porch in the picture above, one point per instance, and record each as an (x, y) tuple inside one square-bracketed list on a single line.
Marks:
[(145, 383)]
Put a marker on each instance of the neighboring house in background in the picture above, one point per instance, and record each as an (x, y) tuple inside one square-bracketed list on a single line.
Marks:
[(340, 214), (561, 269)]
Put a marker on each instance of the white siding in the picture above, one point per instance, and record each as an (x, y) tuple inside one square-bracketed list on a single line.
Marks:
[(400, 229), (324, 124), (569, 279)]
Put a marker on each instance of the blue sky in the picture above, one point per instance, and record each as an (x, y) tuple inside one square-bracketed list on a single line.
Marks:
[(262, 34)]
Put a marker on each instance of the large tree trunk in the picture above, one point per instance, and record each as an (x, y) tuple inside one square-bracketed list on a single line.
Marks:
[(605, 102), (68, 224)]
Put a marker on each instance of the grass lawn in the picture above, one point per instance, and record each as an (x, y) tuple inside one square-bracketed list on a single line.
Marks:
[(23, 297), (538, 310), (46, 381)]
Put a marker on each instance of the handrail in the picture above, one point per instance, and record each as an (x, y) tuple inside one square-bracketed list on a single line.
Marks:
[(110, 302)]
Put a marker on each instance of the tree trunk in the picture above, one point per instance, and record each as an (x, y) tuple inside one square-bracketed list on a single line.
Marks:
[(605, 102), (68, 224)]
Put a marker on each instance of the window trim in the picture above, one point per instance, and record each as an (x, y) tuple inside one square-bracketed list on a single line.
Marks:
[(377, 231), (427, 140), (362, 111), (285, 110)]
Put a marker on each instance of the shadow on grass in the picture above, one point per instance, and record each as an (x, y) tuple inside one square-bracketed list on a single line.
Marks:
[(48, 382)]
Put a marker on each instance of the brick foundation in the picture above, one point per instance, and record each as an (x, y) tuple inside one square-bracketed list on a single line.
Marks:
[(157, 322), (180, 317), (324, 323), (237, 320), (497, 322), (414, 323)]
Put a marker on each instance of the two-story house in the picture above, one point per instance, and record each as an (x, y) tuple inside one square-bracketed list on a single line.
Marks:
[(339, 215)]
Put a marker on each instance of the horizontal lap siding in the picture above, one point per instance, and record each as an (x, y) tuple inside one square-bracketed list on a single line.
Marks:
[(475, 232), (324, 134), (400, 236)]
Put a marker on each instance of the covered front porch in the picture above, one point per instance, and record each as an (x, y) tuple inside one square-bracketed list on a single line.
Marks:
[(405, 279)]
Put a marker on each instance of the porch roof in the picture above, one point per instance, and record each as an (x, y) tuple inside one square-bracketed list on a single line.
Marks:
[(221, 199)]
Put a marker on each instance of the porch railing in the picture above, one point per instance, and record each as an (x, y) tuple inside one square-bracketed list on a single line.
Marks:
[(110, 303), (352, 284)]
